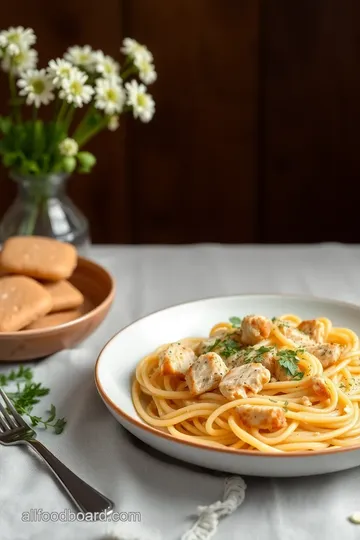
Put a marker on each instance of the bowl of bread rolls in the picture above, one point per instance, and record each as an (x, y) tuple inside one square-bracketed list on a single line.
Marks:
[(50, 298)]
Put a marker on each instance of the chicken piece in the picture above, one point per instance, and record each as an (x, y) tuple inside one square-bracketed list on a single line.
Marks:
[(327, 353), (264, 417), (250, 354), (320, 387), (207, 343), (176, 360), (298, 337), (314, 329), (254, 328), (243, 379), (205, 373)]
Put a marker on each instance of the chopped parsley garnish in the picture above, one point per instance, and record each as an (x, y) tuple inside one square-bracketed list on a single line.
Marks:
[(214, 345), (288, 360), (255, 355), (286, 403), (229, 347), (273, 400), (235, 321)]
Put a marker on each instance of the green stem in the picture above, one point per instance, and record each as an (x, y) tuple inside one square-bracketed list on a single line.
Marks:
[(82, 123), (129, 71), (91, 133), (57, 105), (28, 227), (13, 92), (34, 118), (69, 117), (128, 60), (62, 112), (35, 201)]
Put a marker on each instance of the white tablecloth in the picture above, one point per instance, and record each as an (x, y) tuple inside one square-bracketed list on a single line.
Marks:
[(138, 479)]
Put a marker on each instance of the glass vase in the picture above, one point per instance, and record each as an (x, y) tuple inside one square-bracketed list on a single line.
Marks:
[(42, 208)]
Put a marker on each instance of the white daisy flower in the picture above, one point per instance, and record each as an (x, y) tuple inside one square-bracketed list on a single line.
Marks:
[(75, 90), (12, 49), (141, 102), (25, 60), (81, 57), (105, 65), (59, 70), (68, 147), (23, 37), (133, 48), (3, 40), (114, 123), (147, 73), (37, 86), (110, 96)]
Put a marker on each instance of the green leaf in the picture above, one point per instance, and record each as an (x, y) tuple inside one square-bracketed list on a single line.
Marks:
[(31, 167), (5, 124), (235, 321), (288, 360), (52, 414), (12, 159), (59, 426)]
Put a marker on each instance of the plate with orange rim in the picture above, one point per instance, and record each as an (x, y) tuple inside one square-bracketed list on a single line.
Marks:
[(117, 362)]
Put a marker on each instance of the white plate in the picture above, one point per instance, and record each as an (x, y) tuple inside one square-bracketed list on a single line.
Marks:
[(117, 361)]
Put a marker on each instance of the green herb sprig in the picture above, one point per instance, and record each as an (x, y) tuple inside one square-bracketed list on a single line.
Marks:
[(235, 321), (27, 394), (229, 347), (255, 355), (288, 360)]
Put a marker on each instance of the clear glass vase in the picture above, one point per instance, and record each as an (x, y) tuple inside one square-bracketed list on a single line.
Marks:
[(42, 208)]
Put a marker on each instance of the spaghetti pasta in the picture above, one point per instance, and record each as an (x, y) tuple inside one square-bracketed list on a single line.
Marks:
[(316, 396)]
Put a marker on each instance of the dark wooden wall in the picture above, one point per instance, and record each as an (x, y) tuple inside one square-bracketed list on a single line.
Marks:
[(255, 137)]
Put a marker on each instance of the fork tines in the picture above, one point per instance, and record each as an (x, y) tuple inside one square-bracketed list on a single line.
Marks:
[(9, 417)]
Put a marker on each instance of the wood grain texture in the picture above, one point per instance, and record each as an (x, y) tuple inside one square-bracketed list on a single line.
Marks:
[(310, 141), (102, 195), (193, 169), (255, 136)]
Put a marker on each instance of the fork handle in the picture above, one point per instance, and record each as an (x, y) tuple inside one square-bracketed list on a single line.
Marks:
[(86, 498)]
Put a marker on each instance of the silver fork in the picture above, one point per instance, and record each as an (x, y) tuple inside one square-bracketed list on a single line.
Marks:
[(14, 430)]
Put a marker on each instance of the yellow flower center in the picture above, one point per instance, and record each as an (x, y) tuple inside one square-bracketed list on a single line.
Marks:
[(83, 58), (111, 94), (14, 38), (19, 58), (65, 71), (38, 86), (141, 100), (76, 88)]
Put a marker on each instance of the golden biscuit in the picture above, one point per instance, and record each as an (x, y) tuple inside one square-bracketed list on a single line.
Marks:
[(64, 295), (22, 301), (55, 319), (38, 257)]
